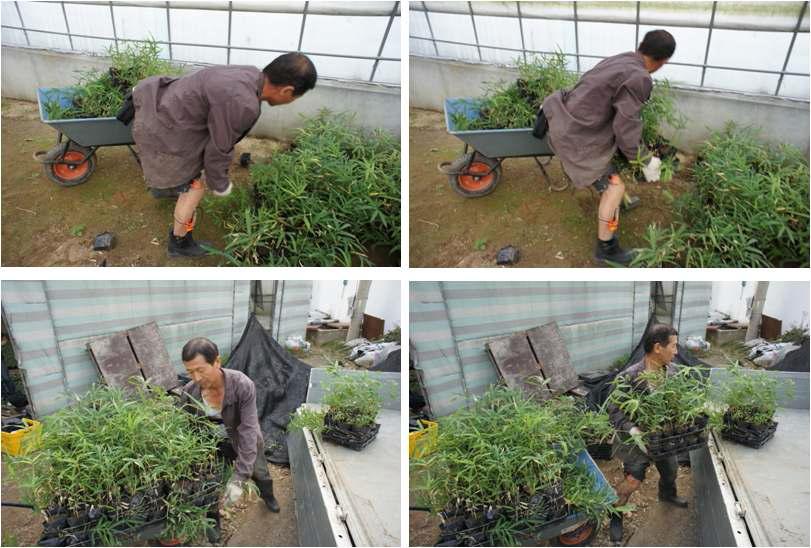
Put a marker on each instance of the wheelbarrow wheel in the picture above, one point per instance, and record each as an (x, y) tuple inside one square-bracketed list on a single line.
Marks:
[(65, 174), (583, 535), (480, 178)]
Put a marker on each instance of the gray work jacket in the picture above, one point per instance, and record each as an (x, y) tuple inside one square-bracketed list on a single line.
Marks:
[(600, 114), (185, 125)]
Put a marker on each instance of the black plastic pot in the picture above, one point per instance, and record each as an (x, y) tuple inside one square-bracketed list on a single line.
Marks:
[(349, 435)]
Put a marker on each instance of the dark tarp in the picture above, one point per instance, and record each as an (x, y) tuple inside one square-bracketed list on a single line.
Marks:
[(390, 364), (599, 387), (281, 384), (796, 360)]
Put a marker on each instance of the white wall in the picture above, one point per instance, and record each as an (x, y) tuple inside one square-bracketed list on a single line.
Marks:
[(384, 302), (786, 301), (334, 297)]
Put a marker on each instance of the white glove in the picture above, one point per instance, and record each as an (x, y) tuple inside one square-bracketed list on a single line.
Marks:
[(233, 492), (653, 170), (636, 435), (225, 192)]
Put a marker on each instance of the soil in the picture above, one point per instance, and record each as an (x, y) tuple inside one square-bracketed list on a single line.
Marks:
[(653, 523), (550, 229), (44, 224), (247, 523)]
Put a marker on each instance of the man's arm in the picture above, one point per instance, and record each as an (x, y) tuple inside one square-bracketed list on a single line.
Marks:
[(247, 432), (228, 121), (627, 124)]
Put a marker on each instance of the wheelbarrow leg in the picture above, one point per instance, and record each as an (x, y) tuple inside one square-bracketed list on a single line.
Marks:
[(559, 188), (134, 155)]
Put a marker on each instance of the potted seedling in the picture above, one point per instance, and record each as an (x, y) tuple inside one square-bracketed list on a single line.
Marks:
[(352, 402), (750, 398)]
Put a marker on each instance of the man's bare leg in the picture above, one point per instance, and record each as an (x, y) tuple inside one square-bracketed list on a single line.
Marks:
[(607, 213), (186, 204)]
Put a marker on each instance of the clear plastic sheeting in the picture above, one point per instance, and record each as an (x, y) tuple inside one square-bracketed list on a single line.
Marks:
[(752, 47), (349, 40)]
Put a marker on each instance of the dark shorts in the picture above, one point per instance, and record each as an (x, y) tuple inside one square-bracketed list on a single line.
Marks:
[(602, 183), (172, 192)]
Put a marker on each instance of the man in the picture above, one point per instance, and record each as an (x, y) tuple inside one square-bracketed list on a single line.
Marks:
[(661, 345), (189, 124), (229, 396), (588, 123)]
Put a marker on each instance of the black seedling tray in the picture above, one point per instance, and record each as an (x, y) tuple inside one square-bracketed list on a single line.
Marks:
[(347, 435), (662, 447), (747, 434), (465, 528), (600, 451)]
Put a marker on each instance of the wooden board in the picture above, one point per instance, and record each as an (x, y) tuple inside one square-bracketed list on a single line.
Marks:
[(115, 360), (513, 357), (151, 354), (372, 327), (553, 357), (770, 328)]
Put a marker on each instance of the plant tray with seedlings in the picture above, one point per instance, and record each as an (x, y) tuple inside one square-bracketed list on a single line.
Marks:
[(462, 527), (683, 439), (112, 464), (752, 435), (348, 435), (507, 466)]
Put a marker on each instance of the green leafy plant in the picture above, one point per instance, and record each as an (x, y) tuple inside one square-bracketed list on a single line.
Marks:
[(353, 399), (78, 230), (751, 396), (514, 105), (100, 94), (749, 208), (325, 202), (797, 335), (658, 403), (480, 244), (108, 450), (496, 455)]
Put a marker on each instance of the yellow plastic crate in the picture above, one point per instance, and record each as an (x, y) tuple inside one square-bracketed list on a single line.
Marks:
[(423, 442), (23, 441)]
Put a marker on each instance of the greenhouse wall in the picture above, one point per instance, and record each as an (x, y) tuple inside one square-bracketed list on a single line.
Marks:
[(50, 323), (292, 309), (452, 321), (742, 61), (354, 45), (780, 120)]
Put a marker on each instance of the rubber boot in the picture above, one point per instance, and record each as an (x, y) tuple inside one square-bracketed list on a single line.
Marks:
[(612, 252), (213, 533), (615, 529), (266, 492), (669, 496), (185, 246)]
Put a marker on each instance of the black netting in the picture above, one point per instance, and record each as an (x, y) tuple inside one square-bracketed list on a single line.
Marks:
[(281, 384)]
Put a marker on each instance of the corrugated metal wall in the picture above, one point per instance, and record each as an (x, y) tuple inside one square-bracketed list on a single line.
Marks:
[(600, 321), (51, 321), (293, 298)]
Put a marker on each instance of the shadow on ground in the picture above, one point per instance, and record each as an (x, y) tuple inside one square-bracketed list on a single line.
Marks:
[(551, 229)]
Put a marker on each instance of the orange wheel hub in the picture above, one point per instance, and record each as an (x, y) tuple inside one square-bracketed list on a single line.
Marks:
[(68, 172), (577, 536), (478, 177)]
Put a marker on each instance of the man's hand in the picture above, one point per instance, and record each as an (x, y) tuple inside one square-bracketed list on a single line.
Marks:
[(233, 492), (653, 170), (225, 192)]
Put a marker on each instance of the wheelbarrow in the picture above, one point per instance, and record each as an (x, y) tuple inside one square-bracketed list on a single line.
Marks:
[(478, 171), (73, 160), (573, 529)]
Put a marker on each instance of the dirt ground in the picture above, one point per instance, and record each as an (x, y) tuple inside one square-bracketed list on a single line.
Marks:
[(48, 225), (550, 229), (248, 523), (651, 524)]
